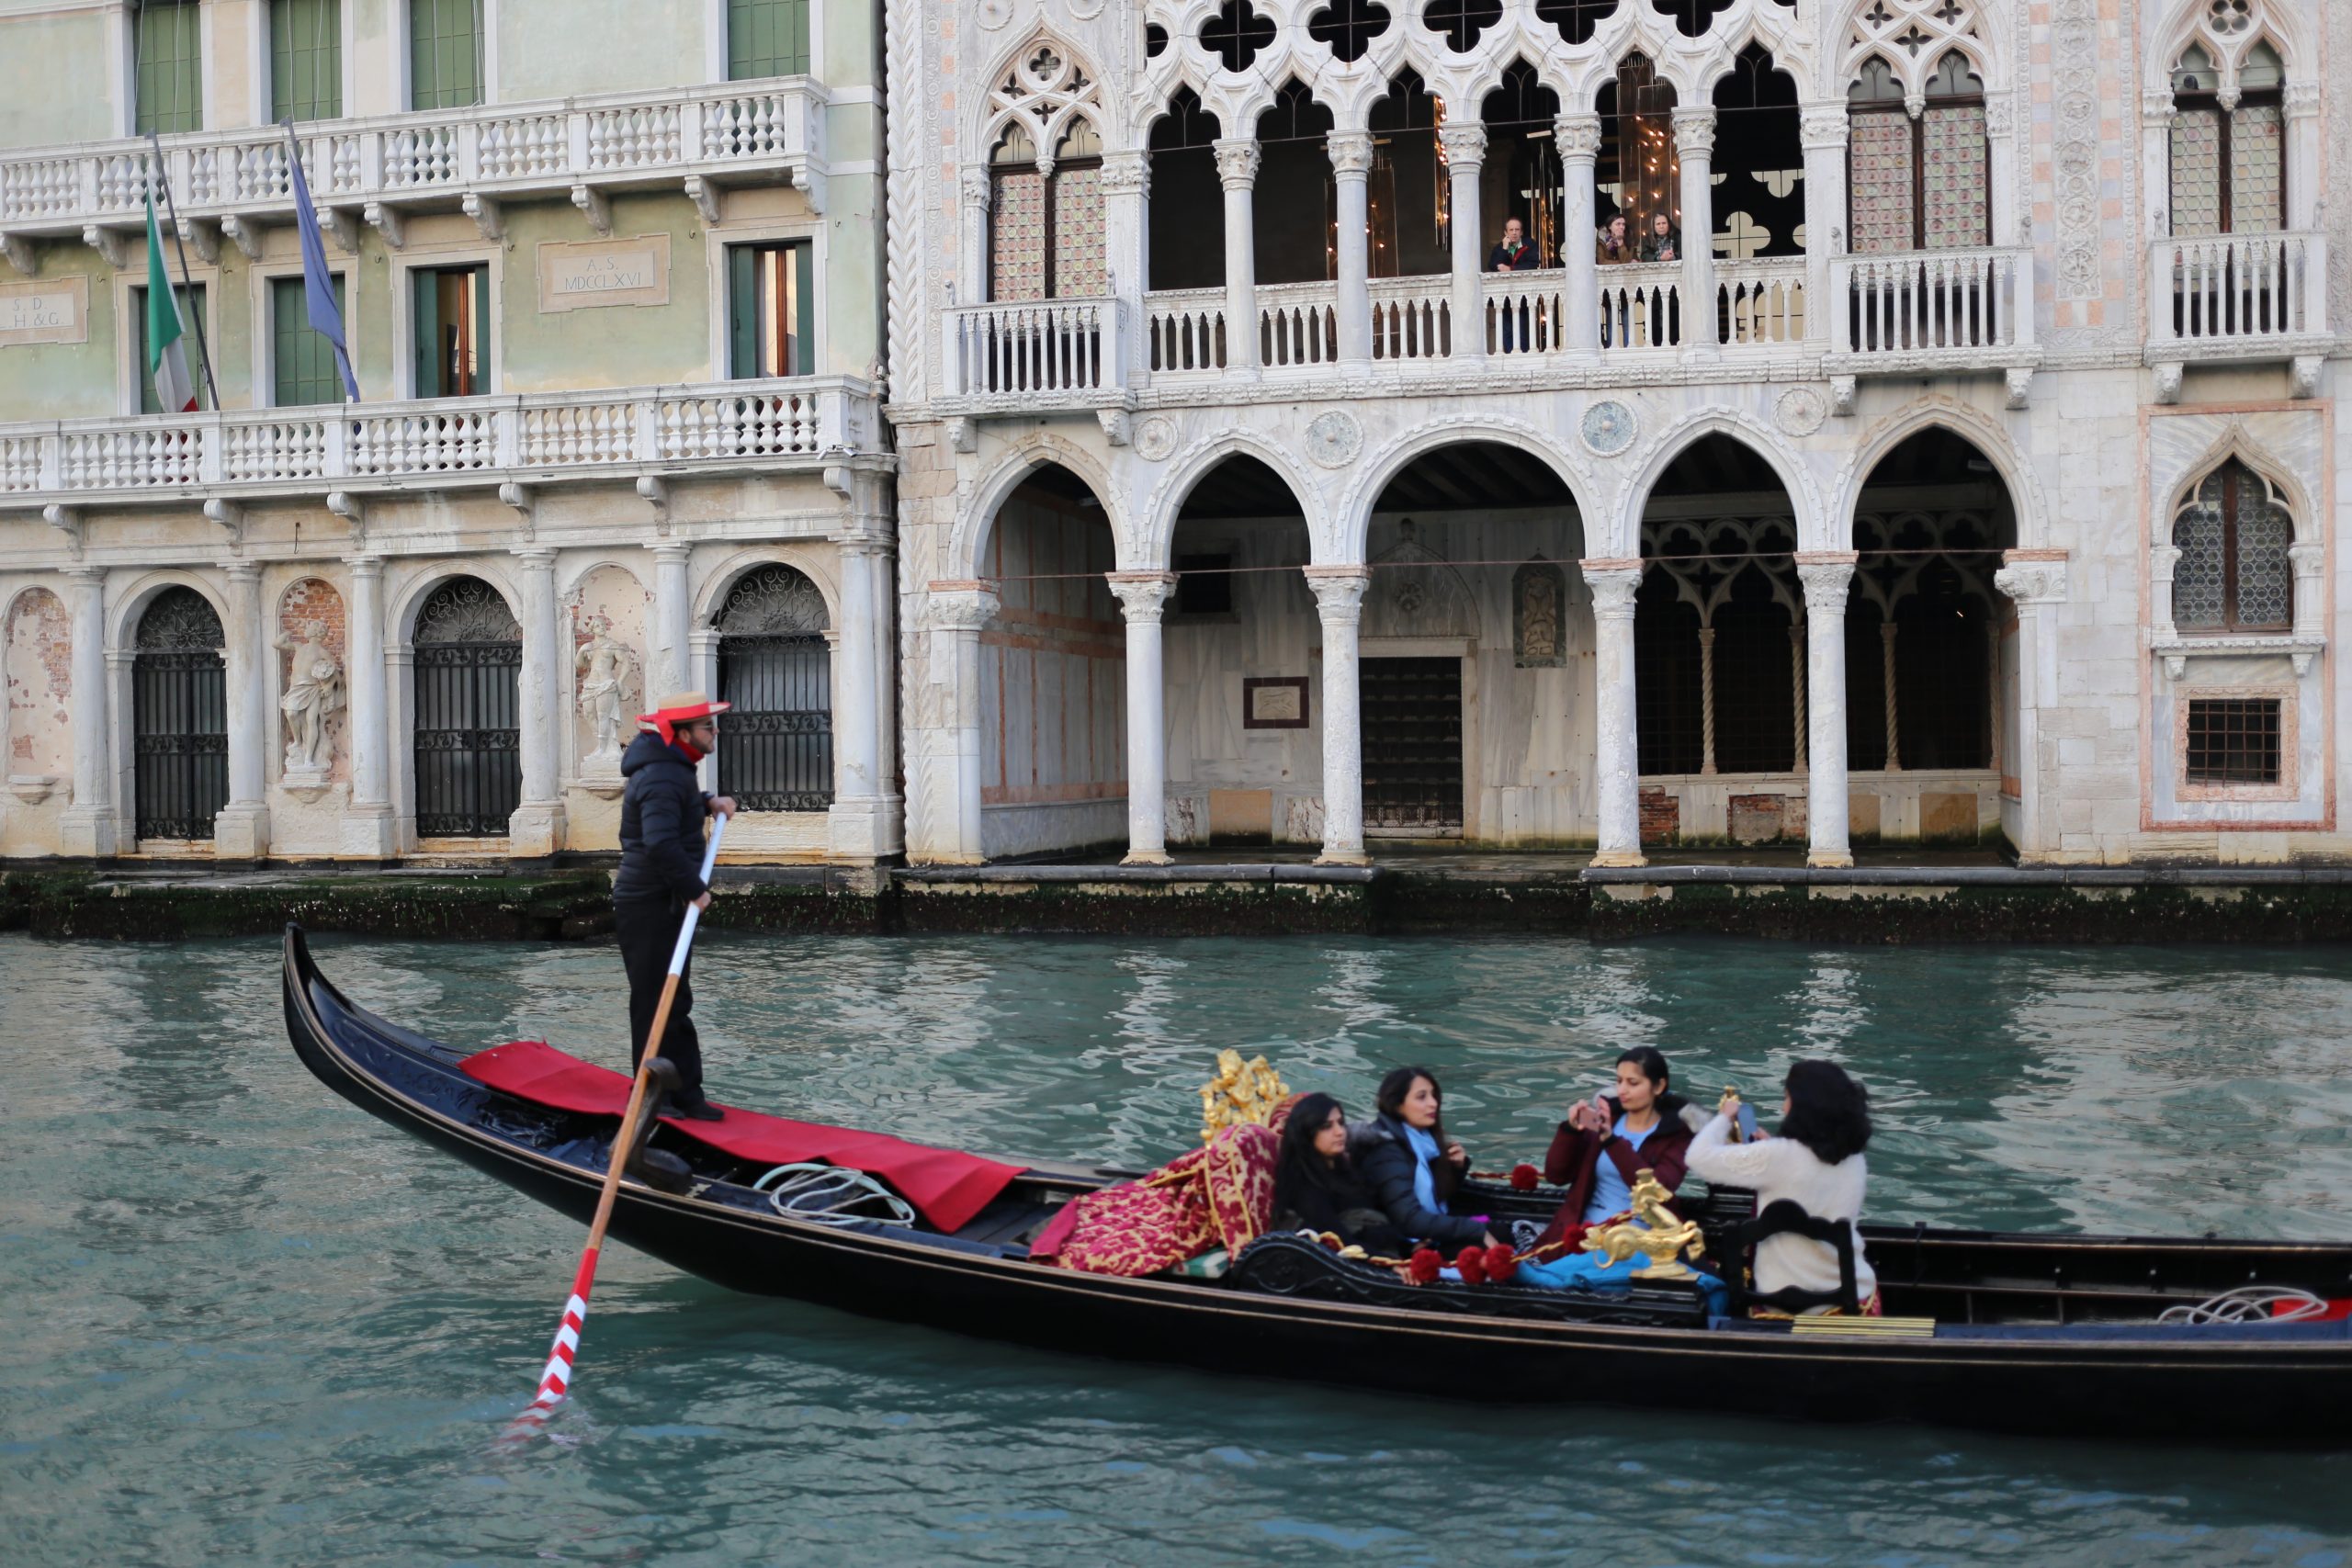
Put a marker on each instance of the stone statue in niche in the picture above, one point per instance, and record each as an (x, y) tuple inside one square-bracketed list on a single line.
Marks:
[(1539, 594), (608, 672), (313, 691)]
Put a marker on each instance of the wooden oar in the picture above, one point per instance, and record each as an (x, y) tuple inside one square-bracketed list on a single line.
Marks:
[(557, 1380)]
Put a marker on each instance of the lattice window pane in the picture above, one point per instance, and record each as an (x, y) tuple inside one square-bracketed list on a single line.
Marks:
[(1881, 181), (2265, 578), (1081, 265), (2198, 601), (2257, 164), (2232, 740), (2197, 171), (1017, 236), (1952, 175)]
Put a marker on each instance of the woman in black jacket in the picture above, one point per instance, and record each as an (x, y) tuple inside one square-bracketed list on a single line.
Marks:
[(1315, 1185), (1412, 1168)]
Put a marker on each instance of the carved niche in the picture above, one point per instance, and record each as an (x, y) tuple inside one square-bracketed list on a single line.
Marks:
[(1416, 593), (1539, 598)]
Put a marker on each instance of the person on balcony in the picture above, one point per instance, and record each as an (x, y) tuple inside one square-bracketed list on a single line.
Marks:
[(1513, 254), (1664, 241), (1613, 247)]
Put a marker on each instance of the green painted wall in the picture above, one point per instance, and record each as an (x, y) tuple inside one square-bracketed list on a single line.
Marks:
[(616, 346), (57, 76), (554, 49), (63, 380)]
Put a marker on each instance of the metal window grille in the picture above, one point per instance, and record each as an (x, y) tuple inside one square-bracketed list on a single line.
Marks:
[(1412, 745), (775, 748), (2232, 740), (2233, 572), (179, 705), (467, 737)]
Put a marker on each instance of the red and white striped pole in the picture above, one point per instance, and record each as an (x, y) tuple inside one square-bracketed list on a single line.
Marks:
[(556, 1381)]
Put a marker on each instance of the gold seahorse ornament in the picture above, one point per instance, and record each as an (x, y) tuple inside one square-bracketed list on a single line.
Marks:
[(1665, 1242)]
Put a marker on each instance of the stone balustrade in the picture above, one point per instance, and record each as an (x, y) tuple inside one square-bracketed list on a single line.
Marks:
[(444, 443), (1946, 309), (1052, 351), (2220, 295), (765, 130)]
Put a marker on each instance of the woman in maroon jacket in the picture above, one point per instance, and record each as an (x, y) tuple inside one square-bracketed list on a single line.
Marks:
[(1601, 1148)]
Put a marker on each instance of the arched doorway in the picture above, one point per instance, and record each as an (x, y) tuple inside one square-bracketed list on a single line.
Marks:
[(467, 737), (179, 718), (775, 667)]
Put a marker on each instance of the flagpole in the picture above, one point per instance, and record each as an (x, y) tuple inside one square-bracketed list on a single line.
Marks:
[(188, 283), (306, 220)]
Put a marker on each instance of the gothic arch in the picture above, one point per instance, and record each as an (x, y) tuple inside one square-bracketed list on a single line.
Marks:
[(1043, 100), (1193, 464), (1972, 425), (807, 558), (1355, 506), (2283, 27), (977, 519), (1978, 33), (2233, 443), (1804, 496)]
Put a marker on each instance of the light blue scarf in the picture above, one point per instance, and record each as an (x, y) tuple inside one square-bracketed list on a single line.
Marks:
[(1425, 1153)]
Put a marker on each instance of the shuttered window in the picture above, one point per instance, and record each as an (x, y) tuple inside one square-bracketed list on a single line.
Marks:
[(444, 53), (770, 311), (191, 310), (305, 59), (766, 38), (302, 361), (450, 340), (168, 41)]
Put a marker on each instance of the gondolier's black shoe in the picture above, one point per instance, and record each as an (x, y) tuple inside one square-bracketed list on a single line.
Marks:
[(696, 1109)]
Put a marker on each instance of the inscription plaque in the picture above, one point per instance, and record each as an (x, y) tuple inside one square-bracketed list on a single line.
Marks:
[(577, 276), (56, 311)]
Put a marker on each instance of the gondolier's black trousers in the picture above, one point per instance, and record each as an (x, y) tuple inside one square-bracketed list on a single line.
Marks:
[(647, 929)]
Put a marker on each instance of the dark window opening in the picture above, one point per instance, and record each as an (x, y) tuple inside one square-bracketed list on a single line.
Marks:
[(1575, 18), (1460, 21), (1691, 19), (1293, 210), (1187, 197), (771, 311), (2232, 740), (1522, 176), (1348, 26), (1236, 34), (1155, 41), (1758, 196), (1205, 585), (451, 330), (776, 752), (1410, 200)]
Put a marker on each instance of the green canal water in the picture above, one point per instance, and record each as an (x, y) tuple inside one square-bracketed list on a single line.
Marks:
[(248, 1323)]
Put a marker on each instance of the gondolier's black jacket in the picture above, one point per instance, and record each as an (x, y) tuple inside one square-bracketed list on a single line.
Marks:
[(662, 815)]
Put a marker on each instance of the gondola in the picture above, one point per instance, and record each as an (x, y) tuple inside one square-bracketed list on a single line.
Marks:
[(2037, 1333)]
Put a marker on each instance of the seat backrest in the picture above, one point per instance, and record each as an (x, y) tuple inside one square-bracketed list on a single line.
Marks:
[(1786, 1216)]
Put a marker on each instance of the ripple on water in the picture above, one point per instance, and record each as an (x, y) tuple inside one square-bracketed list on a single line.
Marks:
[(253, 1324)]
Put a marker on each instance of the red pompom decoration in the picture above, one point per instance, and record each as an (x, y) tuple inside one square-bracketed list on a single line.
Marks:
[(1522, 1178), (1423, 1266), (1501, 1265), (1472, 1262)]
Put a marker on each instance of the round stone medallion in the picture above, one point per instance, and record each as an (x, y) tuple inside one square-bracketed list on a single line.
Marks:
[(1155, 439), (1800, 411), (1333, 440), (1608, 427)]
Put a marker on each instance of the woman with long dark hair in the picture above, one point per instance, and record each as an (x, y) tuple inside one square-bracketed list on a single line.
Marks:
[(1315, 1184), (1412, 1168), (1816, 1161), (1607, 1143)]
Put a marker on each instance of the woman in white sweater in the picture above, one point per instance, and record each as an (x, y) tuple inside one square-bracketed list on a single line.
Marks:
[(1817, 1160)]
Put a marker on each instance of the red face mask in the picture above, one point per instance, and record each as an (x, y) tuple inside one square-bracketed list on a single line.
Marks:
[(677, 736)]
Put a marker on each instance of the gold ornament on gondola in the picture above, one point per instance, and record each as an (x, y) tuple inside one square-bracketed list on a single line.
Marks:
[(1241, 1093), (1666, 1243)]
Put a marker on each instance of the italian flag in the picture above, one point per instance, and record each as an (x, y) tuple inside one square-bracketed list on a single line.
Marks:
[(166, 361)]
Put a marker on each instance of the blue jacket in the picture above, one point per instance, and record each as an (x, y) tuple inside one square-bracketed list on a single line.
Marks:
[(661, 814)]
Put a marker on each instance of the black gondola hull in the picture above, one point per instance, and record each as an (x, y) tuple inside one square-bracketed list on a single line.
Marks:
[(2286, 1392)]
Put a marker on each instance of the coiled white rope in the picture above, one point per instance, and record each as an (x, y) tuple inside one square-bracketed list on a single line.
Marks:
[(822, 1193), (2248, 1304)]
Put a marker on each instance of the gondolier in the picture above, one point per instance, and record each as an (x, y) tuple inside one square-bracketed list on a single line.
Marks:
[(661, 834)]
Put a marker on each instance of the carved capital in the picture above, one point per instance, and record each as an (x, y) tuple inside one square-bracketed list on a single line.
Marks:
[(1998, 120), (1824, 576), (2162, 558), (1237, 162), (1143, 596), (1694, 132), (1824, 128), (1351, 153), (2156, 108), (977, 189), (1126, 174), (1339, 592), (1466, 146), (2308, 558), (1577, 136), (2299, 98), (960, 606), (1614, 583), (363, 565), (2032, 576)]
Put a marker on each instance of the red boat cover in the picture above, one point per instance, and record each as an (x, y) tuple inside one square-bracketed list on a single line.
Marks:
[(946, 1186)]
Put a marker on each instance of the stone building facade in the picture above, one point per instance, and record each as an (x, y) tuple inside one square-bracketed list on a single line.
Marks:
[(610, 276)]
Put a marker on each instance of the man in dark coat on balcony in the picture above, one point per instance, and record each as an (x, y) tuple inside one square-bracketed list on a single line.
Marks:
[(662, 808)]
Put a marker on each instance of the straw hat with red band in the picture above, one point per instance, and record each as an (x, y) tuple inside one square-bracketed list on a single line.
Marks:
[(679, 708)]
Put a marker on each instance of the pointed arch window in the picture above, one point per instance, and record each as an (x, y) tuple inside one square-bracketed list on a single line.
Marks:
[(2233, 574), (1917, 183), (2229, 160), (1045, 229)]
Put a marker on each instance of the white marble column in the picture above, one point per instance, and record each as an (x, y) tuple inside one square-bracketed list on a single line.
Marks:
[(667, 664), (1579, 138), (1695, 141), (536, 830), (1143, 597), (1617, 757), (2300, 106), (858, 825), (1825, 575), (241, 830), (86, 826), (1126, 223), (953, 615), (1237, 169), (366, 832), (2035, 580), (971, 282), (1823, 131), (1466, 154), (1351, 153), (1339, 604)]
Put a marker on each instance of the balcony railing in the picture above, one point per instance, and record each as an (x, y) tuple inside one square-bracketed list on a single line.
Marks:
[(1913, 307), (1412, 317), (2223, 291), (607, 139), (1642, 306), (438, 442), (1036, 349), (1184, 329)]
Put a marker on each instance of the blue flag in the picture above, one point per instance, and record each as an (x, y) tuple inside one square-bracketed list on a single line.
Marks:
[(318, 283)]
